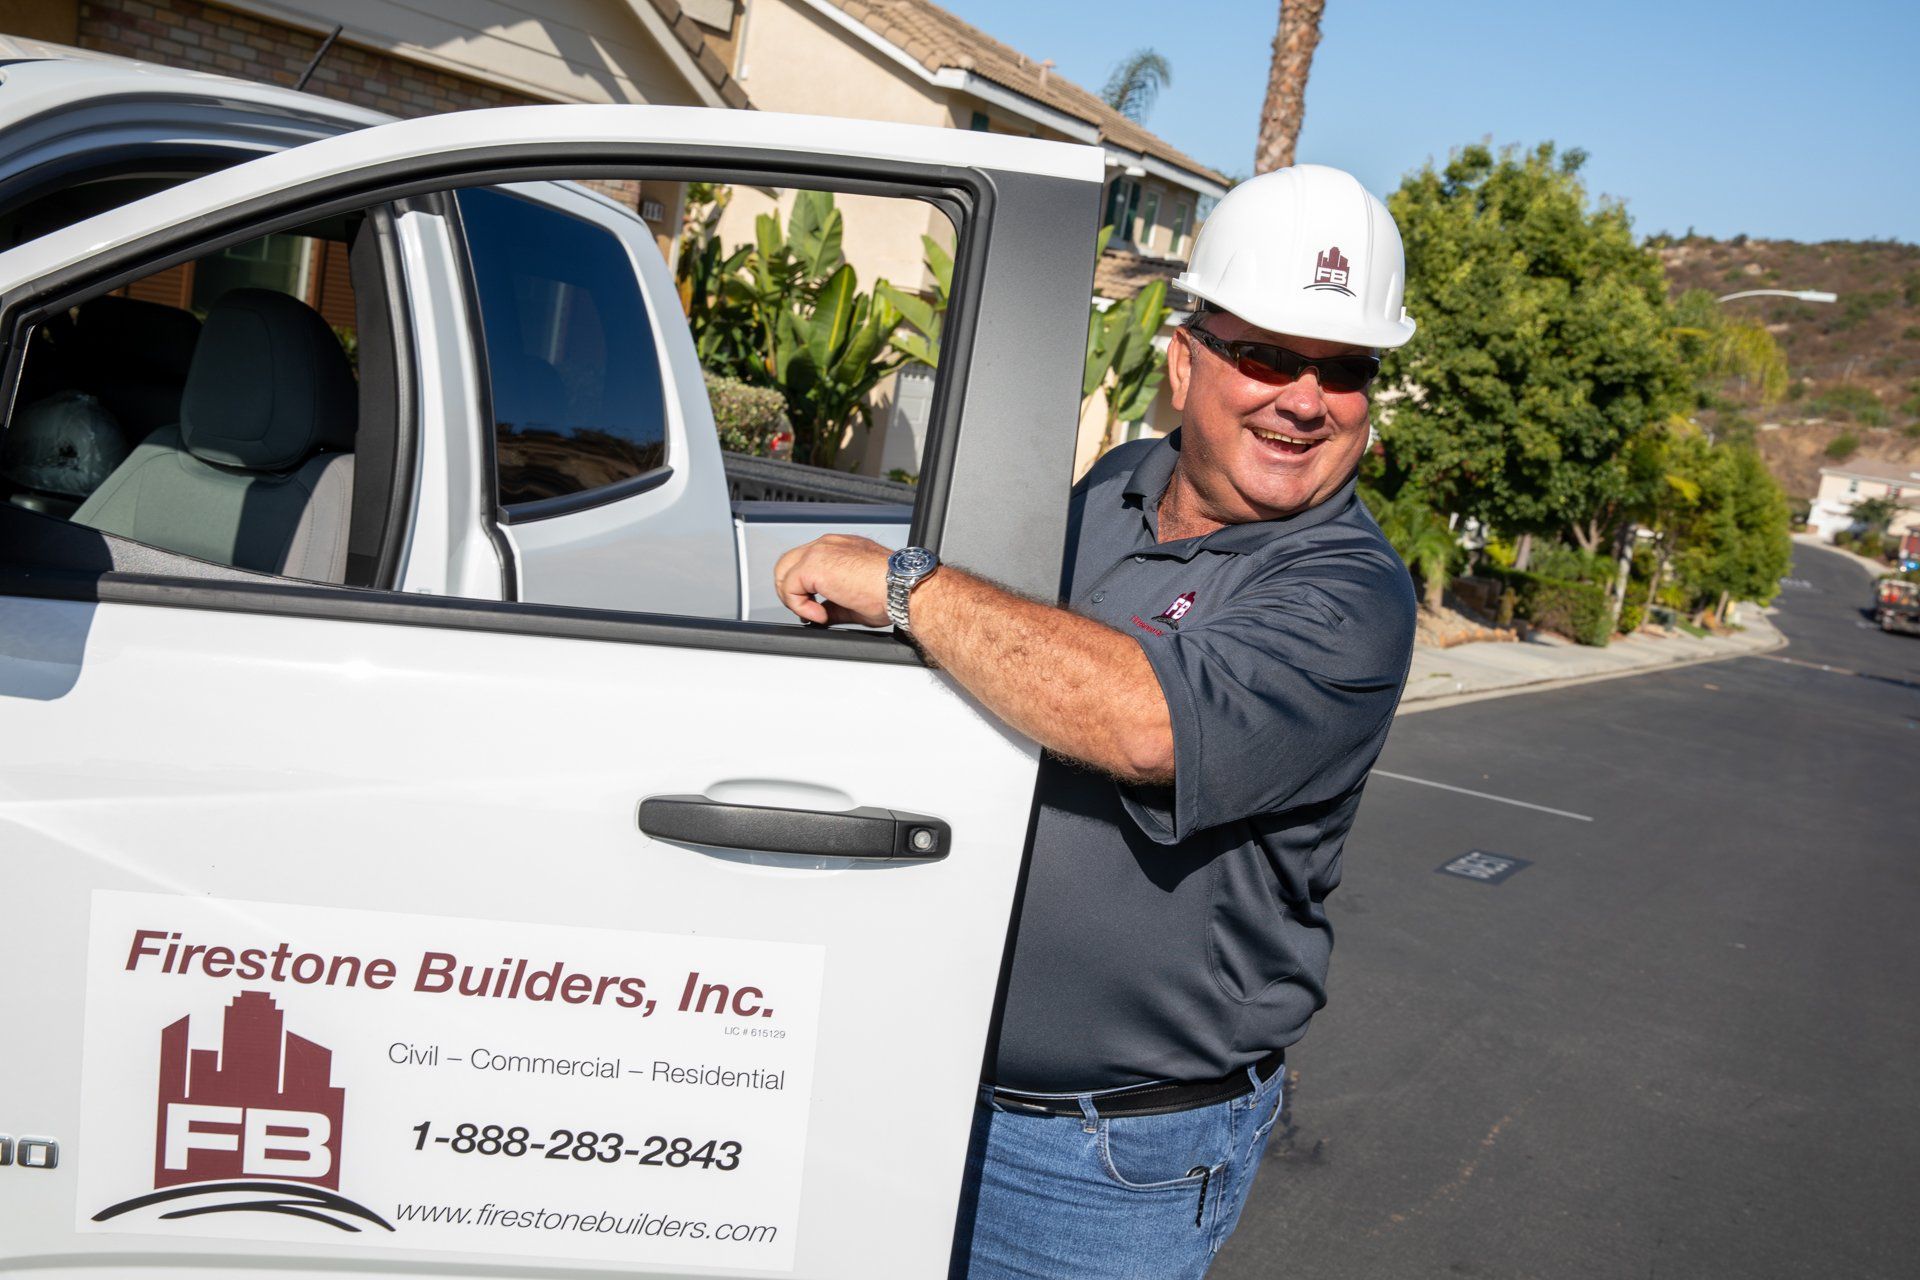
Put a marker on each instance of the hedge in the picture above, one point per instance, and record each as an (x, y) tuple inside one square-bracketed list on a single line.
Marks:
[(747, 417), (1578, 610)]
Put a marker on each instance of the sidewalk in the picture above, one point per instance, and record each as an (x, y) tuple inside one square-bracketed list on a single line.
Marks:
[(1487, 669)]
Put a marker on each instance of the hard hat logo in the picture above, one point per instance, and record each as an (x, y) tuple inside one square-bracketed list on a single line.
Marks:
[(1330, 271)]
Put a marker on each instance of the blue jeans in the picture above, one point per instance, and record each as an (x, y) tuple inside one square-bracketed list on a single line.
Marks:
[(1108, 1198)]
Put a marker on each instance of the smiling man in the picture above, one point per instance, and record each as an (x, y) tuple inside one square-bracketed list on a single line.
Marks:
[(1211, 699)]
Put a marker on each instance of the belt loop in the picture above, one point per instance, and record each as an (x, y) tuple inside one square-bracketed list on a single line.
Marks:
[(1089, 1117)]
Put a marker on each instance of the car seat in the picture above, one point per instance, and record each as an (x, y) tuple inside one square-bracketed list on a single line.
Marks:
[(258, 471)]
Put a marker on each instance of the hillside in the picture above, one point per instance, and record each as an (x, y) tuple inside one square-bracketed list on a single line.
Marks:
[(1855, 364)]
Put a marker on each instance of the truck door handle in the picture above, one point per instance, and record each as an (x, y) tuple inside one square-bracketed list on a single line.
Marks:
[(880, 834)]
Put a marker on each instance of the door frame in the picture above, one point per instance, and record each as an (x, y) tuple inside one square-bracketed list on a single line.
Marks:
[(969, 196)]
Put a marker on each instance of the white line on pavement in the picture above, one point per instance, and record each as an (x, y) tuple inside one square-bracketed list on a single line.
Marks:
[(1482, 795)]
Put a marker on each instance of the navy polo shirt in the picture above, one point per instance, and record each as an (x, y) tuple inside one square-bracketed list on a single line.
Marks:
[(1178, 933)]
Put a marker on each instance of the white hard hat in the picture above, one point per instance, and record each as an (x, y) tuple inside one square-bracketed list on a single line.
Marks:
[(1305, 251)]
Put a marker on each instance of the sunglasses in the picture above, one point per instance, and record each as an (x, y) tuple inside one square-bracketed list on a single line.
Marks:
[(1276, 366)]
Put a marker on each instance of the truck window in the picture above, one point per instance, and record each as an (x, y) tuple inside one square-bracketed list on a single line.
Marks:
[(212, 408), (573, 373)]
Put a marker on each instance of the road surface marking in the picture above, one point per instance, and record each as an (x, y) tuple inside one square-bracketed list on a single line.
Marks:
[(1482, 795)]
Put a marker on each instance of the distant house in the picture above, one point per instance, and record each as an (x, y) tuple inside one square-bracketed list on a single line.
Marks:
[(1859, 479), (915, 63)]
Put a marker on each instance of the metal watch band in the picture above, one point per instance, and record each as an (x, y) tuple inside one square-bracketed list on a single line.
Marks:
[(897, 595)]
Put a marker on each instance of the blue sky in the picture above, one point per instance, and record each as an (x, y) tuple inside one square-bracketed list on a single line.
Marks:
[(1726, 117)]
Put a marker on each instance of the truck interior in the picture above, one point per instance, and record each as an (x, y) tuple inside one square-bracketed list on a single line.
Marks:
[(215, 408)]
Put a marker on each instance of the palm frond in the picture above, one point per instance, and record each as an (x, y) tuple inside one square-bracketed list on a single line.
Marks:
[(1136, 82)]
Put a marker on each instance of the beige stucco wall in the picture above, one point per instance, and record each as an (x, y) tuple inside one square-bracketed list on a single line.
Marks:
[(566, 50), (795, 60)]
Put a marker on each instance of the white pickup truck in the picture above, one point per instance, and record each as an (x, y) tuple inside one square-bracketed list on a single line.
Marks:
[(420, 853)]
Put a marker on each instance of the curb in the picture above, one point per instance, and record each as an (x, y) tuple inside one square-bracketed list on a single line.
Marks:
[(1549, 683)]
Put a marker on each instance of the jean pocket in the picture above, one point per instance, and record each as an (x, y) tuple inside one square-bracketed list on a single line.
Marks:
[(1170, 1152), (1271, 1106)]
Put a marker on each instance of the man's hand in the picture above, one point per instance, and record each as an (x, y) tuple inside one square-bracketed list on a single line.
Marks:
[(1075, 686), (849, 573)]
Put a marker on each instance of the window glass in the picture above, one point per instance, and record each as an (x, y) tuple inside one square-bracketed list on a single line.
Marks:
[(1149, 214), (1121, 203), (211, 408), (281, 263), (1177, 235), (577, 397)]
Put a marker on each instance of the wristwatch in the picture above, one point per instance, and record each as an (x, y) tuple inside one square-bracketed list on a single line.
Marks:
[(907, 568)]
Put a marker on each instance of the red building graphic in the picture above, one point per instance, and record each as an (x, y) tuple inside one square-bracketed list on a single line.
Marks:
[(262, 1105), (1330, 270)]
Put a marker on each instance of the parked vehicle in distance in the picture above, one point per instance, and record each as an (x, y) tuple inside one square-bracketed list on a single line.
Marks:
[(1896, 605)]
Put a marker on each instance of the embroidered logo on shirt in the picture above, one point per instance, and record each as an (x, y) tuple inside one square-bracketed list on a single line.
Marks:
[(1177, 610)]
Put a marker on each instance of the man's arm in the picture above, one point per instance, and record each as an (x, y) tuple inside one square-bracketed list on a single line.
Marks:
[(1078, 688)]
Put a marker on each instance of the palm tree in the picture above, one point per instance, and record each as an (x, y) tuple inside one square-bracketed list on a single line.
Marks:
[(1136, 82), (1294, 41), (1421, 537)]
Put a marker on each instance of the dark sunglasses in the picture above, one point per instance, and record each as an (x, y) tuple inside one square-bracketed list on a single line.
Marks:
[(1276, 366)]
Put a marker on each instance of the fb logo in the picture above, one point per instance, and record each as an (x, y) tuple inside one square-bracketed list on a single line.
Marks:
[(1331, 271), (271, 1143), (262, 1105), (1177, 610)]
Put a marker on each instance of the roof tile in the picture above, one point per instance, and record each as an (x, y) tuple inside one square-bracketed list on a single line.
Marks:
[(935, 38), (687, 32)]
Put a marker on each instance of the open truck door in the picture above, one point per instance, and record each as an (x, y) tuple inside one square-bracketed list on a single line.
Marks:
[(354, 931)]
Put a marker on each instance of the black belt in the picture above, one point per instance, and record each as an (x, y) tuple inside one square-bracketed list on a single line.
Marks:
[(1150, 1099)]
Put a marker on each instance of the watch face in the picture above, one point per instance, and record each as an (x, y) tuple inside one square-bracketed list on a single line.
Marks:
[(910, 562)]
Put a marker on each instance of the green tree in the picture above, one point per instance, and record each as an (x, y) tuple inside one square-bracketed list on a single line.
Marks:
[(925, 317), (787, 312), (1717, 347), (1545, 347), (1421, 537), (1732, 543), (1121, 355), (1136, 82), (1875, 514)]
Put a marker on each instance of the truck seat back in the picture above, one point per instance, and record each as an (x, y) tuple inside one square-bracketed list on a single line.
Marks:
[(257, 473)]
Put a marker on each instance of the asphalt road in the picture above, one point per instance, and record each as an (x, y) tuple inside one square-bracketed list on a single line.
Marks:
[(1684, 1040)]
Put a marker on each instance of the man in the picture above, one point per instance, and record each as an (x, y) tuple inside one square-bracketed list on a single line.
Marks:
[(1237, 636)]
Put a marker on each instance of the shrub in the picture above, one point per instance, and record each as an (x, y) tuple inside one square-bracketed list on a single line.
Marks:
[(1577, 610), (1558, 560), (1631, 616), (1844, 445), (747, 417), (1848, 402)]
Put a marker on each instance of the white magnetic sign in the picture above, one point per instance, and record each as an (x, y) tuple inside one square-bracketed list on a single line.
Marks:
[(266, 1072)]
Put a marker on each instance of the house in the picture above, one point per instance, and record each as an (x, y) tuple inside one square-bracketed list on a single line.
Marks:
[(1861, 478), (913, 62), (409, 59), (902, 60)]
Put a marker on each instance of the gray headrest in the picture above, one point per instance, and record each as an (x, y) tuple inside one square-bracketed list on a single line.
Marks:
[(269, 385)]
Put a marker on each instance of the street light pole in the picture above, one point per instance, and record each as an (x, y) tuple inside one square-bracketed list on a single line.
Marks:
[(1804, 295)]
